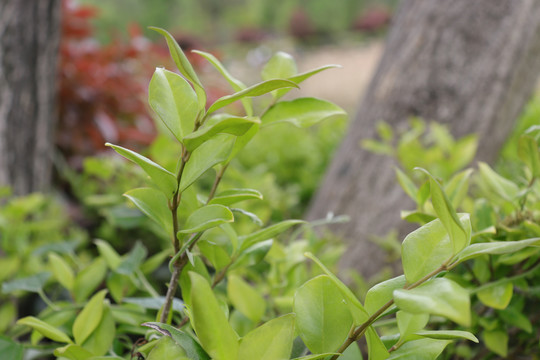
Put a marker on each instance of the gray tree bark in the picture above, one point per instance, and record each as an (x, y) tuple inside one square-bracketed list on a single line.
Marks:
[(470, 64), (29, 41)]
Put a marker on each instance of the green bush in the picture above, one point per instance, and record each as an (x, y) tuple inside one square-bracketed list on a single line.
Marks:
[(245, 295)]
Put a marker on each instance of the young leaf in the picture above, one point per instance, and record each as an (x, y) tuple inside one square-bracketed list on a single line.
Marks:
[(528, 152), (89, 279), (245, 298), (101, 339), (407, 184), (423, 349), (381, 293), (457, 187), (174, 101), (322, 315), (167, 348), (133, 260), (236, 84), (248, 241), (447, 335), (193, 350), (207, 217), (438, 296), (209, 321), (163, 178), (227, 124), (497, 296), (206, 156), (460, 236), (183, 65), (154, 204), (73, 352), (271, 341), (199, 267), (242, 141), (89, 318), (355, 306), (426, 249), (301, 77), (233, 196), (280, 66), (302, 112), (376, 348), (254, 90), (505, 188), (409, 324), (45, 329), (108, 253), (495, 248), (62, 271)]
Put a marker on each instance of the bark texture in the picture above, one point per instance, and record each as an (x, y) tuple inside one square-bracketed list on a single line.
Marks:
[(470, 64), (29, 40)]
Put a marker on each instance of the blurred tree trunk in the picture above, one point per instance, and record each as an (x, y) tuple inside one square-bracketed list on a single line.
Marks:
[(29, 40), (470, 64)]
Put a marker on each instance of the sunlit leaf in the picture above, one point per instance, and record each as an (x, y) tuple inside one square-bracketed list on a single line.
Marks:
[(302, 112)]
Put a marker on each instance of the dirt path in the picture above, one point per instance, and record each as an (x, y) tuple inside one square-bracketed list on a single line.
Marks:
[(343, 86)]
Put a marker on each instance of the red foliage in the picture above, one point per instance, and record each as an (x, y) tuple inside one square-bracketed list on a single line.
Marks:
[(103, 88), (372, 19)]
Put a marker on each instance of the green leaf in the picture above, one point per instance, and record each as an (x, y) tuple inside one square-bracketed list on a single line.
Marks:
[(216, 254), (514, 317), (427, 248), (206, 156), (409, 324), (133, 261), (207, 217), (438, 296), (32, 283), (423, 349), (248, 241), (271, 341), (503, 187), (303, 76), (528, 152), (199, 267), (45, 329), (193, 350), (62, 271), (323, 318), (209, 322), (316, 356), (73, 352), (154, 303), (183, 65), (245, 298), (280, 66), (497, 296), (154, 204), (460, 237), (255, 90), (101, 339), (457, 187), (302, 112), (167, 348), (358, 312), (227, 124), (407, 184), (376, 348), (164, 179), (242, 141), (233, 196), (496, 341), (107, 252), (236, 84), (174, 101), (383, 292), (10, 349), (495, 248), (447, 335), (89, 318), (89, 279)]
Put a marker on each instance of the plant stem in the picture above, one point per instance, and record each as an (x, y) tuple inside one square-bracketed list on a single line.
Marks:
[(358, 333), (216, 182)]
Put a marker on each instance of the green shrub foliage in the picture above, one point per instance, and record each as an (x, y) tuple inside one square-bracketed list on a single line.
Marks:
[(234, 291)]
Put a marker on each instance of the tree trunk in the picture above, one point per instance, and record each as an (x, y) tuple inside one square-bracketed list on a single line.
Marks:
[(29, 40), (470, 64)]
